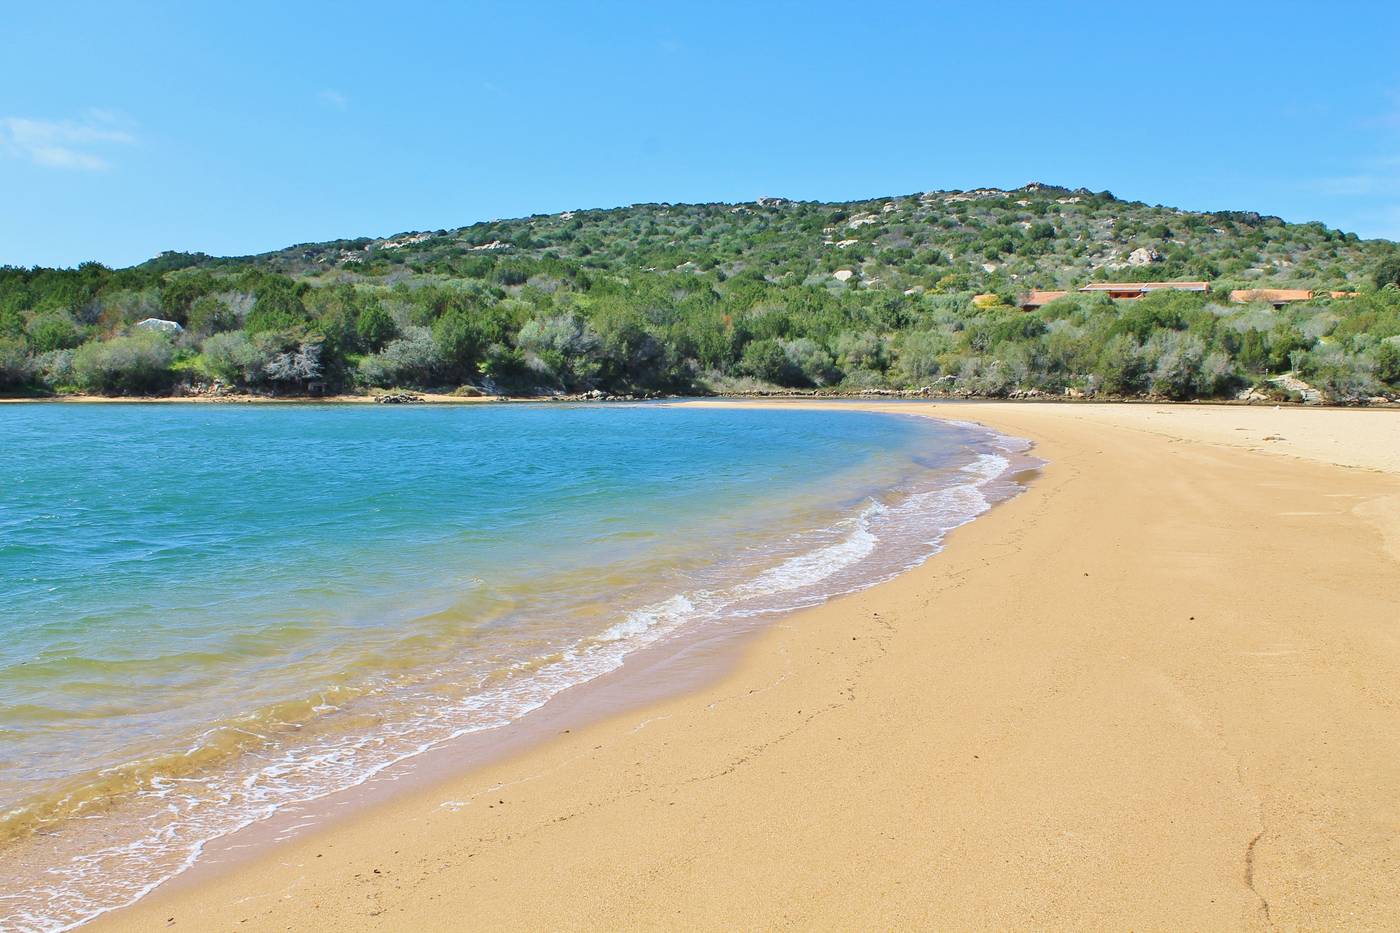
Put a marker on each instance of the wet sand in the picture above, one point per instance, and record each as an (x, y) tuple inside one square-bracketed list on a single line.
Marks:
[(1159, 690)]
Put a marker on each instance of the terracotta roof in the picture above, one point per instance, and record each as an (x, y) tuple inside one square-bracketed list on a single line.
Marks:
[(1271, 295), (1145, 286), (1038, 298), (1344, 294)]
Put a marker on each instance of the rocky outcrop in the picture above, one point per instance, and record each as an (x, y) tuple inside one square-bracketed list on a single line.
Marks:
[(1290, 383), (598, 395)]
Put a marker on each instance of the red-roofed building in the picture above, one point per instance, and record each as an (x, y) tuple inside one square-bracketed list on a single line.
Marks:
[(1039, 299), (1129, 290), (1278, 297)]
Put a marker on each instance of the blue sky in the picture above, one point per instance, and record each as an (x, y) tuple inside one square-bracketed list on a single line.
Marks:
[(131, 128)]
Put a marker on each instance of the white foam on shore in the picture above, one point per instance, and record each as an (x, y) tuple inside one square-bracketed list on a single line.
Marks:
[(880, 539)]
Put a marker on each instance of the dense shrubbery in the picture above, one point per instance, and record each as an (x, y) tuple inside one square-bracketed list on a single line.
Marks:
[(16, 366), (410, 360), (698, 297), (135, 364)]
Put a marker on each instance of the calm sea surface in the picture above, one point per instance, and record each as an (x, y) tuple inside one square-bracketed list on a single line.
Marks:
[(209, 612)]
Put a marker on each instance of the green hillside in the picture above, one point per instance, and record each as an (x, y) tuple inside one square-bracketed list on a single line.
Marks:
[(875, 294)]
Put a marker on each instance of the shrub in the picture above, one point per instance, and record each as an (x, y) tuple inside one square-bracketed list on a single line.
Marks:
[(917, 360), (1388, 271), (562, 347), (505, 370), (863, 379), (635, 357), (55, 368), (1341, 376), (1387, 362), (810, 361), (986, 376), (210, 315), (1219, 375), (860, 351), (767, 360), (294, 366), (999, 327), (53, 332), (16, 368), (460, 342), (277, 307), (139, 363), (233, 358), (1177, 365), (375, 327), (181, 291), (411, 360), (1120, 367), (1155, 311)]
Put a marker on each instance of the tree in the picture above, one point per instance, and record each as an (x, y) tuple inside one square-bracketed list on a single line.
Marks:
[(375, 327), (1120, 366), (180, 293), (1388, 271), (16, 368), (1388, 362), (277, 306), (648, 296), (296, 366), (767, 360), (209, 315), (233, 358), (460, 342), (53, 332), (633, 356)]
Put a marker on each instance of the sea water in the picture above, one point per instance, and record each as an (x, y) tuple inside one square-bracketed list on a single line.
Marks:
[(211, 612)]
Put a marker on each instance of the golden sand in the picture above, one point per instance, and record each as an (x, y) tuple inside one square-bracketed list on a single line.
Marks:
[(1160, 690)]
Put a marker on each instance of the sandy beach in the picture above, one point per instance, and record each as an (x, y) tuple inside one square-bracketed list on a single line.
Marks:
[(1159, 690)]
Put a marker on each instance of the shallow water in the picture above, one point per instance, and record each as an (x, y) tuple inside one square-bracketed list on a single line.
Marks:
[(210, 612)]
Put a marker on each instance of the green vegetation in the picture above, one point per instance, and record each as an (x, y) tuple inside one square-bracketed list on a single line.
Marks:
[(660, 298)]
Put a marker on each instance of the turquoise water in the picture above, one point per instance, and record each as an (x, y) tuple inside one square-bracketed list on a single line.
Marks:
[(209, 612)]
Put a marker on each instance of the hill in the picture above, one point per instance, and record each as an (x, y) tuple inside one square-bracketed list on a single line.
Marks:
[(888, 293)]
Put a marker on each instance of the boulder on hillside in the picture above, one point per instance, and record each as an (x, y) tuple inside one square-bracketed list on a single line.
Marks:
[(158, 325)]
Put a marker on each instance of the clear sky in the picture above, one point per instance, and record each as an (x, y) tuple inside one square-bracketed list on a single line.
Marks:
[(231, 128)]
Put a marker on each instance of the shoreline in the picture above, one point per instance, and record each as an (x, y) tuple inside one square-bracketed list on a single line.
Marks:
[(796, 396), (568, 778), (681, 662)]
